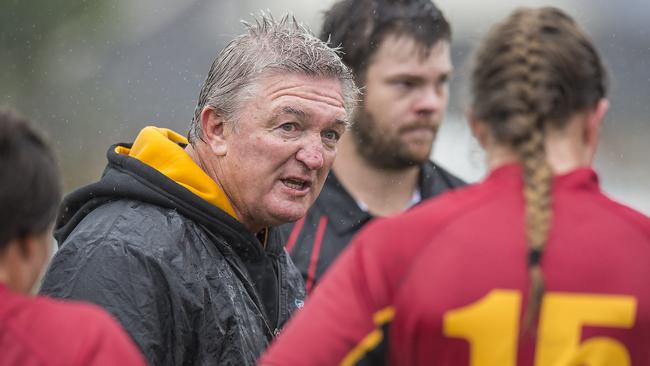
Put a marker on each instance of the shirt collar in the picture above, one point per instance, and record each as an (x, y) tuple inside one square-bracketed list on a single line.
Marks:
[(345, 214), (579, 178)]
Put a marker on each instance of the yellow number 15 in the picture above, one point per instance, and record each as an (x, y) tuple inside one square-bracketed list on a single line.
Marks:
[(491, 326)]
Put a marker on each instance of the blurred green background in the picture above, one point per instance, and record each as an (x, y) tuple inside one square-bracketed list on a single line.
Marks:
[(92, 73)]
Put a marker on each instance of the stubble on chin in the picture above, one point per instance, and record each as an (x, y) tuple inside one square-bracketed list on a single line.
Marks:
[(385, 151)]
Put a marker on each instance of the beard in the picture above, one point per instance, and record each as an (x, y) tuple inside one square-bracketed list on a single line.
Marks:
[(385, 150)]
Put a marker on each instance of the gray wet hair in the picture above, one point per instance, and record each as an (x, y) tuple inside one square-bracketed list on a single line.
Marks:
[(268, 47)]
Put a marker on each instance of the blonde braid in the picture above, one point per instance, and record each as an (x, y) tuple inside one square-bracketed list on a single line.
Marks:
[(537, 198), (532, 73), (537, 174), (520, 102)]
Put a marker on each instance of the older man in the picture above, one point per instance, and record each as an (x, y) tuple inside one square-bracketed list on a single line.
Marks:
[(177, 238)]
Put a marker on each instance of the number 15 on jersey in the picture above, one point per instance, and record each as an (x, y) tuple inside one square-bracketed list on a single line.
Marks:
[(491, 326)]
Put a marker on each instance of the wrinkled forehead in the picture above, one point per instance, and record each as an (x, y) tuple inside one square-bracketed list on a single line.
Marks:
[(322, 89), (313, 95)]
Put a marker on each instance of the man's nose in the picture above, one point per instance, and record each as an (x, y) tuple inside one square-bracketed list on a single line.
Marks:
[(428, 102), (311, 154)]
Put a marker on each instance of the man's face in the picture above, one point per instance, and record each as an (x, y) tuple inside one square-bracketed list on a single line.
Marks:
[(405, 100), (281, 148)]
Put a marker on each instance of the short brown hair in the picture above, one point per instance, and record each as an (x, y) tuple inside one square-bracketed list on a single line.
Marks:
[(359, 27), (30, 188)]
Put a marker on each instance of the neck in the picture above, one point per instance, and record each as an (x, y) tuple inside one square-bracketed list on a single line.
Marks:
[(194, 153), (14, 269), (385, 192), (5, 278), (563, 153), (197, 154)]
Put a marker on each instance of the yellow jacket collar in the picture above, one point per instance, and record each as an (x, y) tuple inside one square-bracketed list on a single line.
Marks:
[(159, 148)]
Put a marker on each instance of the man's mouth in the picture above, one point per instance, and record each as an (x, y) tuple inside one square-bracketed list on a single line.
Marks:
[(296, 183), (420, 128)]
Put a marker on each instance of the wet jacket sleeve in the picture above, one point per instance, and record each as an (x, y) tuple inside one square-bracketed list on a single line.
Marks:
[(338, 324), (130, 285)]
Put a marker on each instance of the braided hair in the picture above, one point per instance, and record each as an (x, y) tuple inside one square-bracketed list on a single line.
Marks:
[(533, 72)]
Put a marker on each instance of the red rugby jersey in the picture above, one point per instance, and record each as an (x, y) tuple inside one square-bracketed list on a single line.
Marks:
[(446, 283), (38, 331)]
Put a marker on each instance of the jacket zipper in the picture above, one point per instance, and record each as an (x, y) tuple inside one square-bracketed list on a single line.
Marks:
[(278, 309), (248, 286), (253, 295)]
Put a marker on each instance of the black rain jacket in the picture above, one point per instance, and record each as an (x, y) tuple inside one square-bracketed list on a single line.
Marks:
[(187, 281)]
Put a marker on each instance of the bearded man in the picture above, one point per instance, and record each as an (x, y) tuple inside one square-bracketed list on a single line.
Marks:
[(399, 52)]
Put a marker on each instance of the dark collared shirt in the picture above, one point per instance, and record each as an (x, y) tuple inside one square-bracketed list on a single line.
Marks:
[(317, 239)]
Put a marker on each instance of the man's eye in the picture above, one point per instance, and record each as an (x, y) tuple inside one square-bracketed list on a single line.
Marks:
[(288, 127), (331, 135), (405, 83)]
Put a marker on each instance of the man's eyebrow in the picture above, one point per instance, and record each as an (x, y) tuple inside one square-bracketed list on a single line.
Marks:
[(303, 115), (343, 122), (297, 112), (407, 75), (287, 110), (417, 76)]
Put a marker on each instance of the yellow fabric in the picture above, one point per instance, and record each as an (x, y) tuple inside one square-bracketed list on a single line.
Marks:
[(158, 148), (372, 340)]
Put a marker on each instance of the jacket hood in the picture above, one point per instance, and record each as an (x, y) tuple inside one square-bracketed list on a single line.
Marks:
[(163, 150), (154, 169)]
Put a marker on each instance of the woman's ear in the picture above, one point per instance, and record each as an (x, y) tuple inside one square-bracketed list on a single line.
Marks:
[(594, 120), (212, 125), (591, 129), (478, 128)]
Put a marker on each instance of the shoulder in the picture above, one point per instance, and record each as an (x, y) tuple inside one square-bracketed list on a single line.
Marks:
[(627, 216), (135, 225), (70, 316), (333, 195), (436, 172), (70, 330), (430, 215), (121, 242), (582, 204), (385, 248)]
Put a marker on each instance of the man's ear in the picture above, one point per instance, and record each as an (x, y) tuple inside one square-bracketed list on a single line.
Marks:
[(212, 125)]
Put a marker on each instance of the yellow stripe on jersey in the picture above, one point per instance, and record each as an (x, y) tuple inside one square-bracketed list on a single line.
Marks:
[(372, 340)]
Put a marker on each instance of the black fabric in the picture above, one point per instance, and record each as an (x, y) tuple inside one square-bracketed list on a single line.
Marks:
[(534, 256), (345, 218), (187, 281)]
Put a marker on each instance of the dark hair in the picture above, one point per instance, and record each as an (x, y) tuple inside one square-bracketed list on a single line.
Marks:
[(534, 71), (359, 27), (30, 188)]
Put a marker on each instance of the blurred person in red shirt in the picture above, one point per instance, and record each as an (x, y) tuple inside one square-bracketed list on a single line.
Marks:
[(38, 330), (534, 266)]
